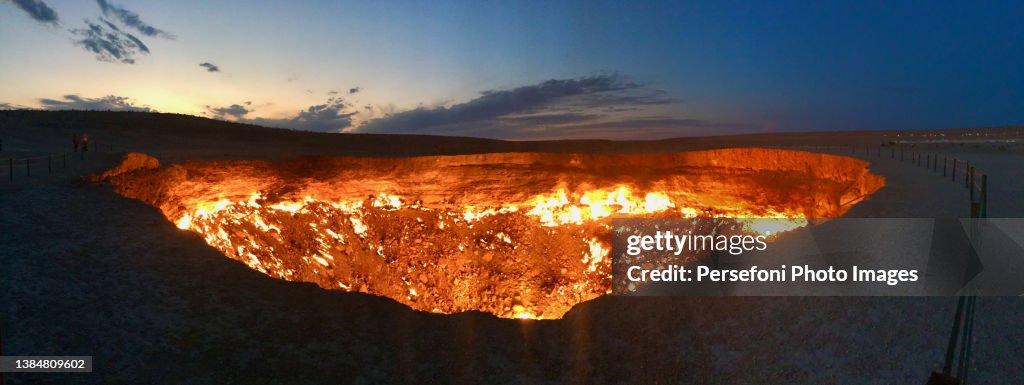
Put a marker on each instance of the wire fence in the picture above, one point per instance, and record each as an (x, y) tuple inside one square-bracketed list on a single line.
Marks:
[(957, 361), (14, 168), (955, 169)]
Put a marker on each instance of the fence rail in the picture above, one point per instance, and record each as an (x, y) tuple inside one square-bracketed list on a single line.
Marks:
[(974, 181), (957, 362), (12, 168)]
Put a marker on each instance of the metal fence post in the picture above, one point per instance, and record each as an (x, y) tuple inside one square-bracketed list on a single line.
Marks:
[(970, 184), (944, 162), (11, 169), (954, 337), (965, 359), (967, 173), (953, 177), (984, 196)]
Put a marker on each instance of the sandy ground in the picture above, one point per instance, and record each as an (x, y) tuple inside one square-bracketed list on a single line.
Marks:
[(87, 272)]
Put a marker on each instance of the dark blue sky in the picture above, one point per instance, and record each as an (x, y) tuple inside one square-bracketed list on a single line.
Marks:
[(526, 69)]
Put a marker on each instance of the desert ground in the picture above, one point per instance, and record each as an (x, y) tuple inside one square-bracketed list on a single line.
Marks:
[(88, 272)]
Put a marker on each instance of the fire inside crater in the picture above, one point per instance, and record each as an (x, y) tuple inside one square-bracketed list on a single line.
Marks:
[(518, 235)]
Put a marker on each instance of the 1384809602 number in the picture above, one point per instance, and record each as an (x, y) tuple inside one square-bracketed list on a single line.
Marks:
[(50, 364)]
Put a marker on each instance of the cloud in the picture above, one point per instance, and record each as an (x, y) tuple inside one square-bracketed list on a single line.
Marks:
[(508, 113), (655, 122), (235, 110), (550, 119), (210, 67), (354, 90), (602, 106), (38, 10), (332, 116), (606, 127), (131, 19), (11, 106), (650, 127), (106, 103), (108, 42)]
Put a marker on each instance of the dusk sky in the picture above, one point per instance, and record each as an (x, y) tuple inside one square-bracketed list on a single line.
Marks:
[(524, 70)]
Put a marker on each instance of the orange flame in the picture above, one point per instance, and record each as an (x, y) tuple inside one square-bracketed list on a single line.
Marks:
[(452, 234), (219, 222)]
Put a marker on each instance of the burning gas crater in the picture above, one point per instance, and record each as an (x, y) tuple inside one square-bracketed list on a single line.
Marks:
[(515, 235)]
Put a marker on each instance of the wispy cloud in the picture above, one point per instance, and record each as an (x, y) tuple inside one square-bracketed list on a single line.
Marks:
[(106, 103), (649, 127), (109, 42), (106, 40), (331, 116), (38, 10), (131, 19), (210, 67), (550, 118), (12, 106), (526, 110), (234, 111)]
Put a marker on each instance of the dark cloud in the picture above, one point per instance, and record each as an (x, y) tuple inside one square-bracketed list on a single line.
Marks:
[(332, 116), (499, 113), (235, 111), (102, 38), (550, 119), (38, 10), (106, 103), (655, 122), (627, 128), (354, 90), (11, 106), (131, 19), (108, 42), (604, 106), (210, 67), (624, 99), (649, 127)]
